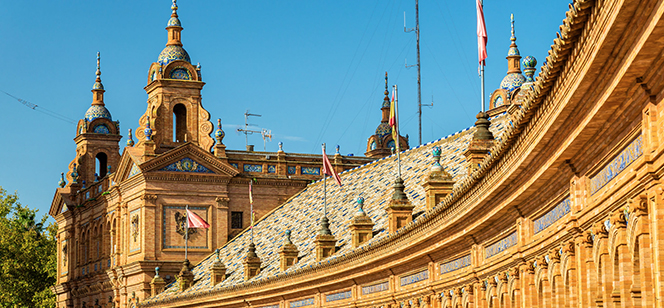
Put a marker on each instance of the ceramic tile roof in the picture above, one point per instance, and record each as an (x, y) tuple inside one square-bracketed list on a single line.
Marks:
[(301, 214)]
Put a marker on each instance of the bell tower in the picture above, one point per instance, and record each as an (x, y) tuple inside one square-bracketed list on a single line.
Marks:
[(174, 105), (97, 137)]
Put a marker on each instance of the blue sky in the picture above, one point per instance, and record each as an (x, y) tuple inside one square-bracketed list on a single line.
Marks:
[(314, 70)]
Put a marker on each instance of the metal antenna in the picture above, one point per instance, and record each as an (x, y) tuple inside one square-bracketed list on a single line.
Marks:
[(267, 136), (419, 83), (246, 131)]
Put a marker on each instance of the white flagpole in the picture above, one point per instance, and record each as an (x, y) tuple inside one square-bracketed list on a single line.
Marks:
[(482, 68), (396, 126), (186, 231), (251, 207), (324, 188)]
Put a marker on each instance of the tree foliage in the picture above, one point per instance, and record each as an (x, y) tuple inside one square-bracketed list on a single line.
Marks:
[(27, 256)]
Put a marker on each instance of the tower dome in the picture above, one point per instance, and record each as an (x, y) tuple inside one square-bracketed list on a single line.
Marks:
[(97, 111), (173, 50), (512, 81)]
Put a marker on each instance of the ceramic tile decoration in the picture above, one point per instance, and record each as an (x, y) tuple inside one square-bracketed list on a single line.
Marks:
[(291, 169), (134, 170), (186, 165), (97, 111), (101, 129), (338, 296), (302, 303), (311, 170), (252, 168), (562, 209), (501, 245), (455, 264), (180, 73), (413, 278), (172, 53), (633, 151), (374, 288), (271, 169)]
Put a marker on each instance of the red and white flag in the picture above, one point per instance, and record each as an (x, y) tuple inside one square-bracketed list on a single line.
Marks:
[(195, 221), (327, 168), (481, 33)]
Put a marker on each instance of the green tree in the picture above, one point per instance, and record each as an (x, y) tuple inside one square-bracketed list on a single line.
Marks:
[(27, 256)]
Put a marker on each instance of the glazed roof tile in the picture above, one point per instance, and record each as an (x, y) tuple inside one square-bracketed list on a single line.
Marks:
[(302, 213)]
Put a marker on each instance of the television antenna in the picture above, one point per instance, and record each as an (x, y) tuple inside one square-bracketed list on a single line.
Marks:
[(266, 134), (419, 83)]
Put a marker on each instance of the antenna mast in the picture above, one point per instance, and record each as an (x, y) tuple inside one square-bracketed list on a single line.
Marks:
[(419, 82), (246, 131)]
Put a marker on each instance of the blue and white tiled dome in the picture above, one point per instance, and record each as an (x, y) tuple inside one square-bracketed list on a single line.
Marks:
[(512, 81), (174, 21), (97, 111), (383, 130), (172, 53)]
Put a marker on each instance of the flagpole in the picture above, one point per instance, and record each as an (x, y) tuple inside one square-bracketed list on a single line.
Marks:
[(396, 116), (186, 232), (251, 208), (324, 189), (482, 68)]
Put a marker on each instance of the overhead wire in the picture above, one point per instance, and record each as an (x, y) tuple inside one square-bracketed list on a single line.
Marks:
[(41, 109)]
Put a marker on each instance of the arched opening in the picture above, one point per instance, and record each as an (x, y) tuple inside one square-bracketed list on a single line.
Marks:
[(179, 123), (101, 166)]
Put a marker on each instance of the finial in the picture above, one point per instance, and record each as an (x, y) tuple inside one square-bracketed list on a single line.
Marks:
[(174, 7), (62, 182), (337, 150), (83, 184), (386, 84), (96, 177), (130, 141), (148, 130), (108, 169), (513, 38), (156, 271), (399, 193), (98, 85), (219, 134), (281, 146), (216, 252), (74, 174), (436, 151), (288, 237), (360, 204)]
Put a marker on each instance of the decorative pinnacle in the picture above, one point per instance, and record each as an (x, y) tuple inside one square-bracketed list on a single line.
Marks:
[(216, 252), (219, 134), (62, 182), (281, 146), (98, 85), (360, 203), (174, 7), (148, 130), (288, 238), (156, 270), (324, 226), (386, 93), (399, 194), (337, 152), (513, 38), (251, 252), (130, 141)]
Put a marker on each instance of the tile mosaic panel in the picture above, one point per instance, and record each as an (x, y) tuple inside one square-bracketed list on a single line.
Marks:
[(300, 213), (562, 209), (173, 228), (252, 168), (270, 306), (291, 170), (375, 288), (235, 165), (633, 151), (338, 296), (311, 170), (186, 165), (501, 245), (101, 129), (134, 170), (413, 278), (302, 303), (271, 169), (455, 264)]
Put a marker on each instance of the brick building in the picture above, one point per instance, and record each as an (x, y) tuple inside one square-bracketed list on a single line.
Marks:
[(120, 215)]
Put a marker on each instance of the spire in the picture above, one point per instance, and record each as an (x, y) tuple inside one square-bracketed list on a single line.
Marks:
[(513, 55), (386, 100), (98, 87), (174, 26)]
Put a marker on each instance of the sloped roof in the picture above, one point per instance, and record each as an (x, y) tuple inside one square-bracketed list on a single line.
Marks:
[(301, 214)]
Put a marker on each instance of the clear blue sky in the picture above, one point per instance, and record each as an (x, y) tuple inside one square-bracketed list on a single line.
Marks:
[(313, 69)]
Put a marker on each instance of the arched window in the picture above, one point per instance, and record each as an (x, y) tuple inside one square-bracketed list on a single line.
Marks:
[(179, 123), (102, 163)]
